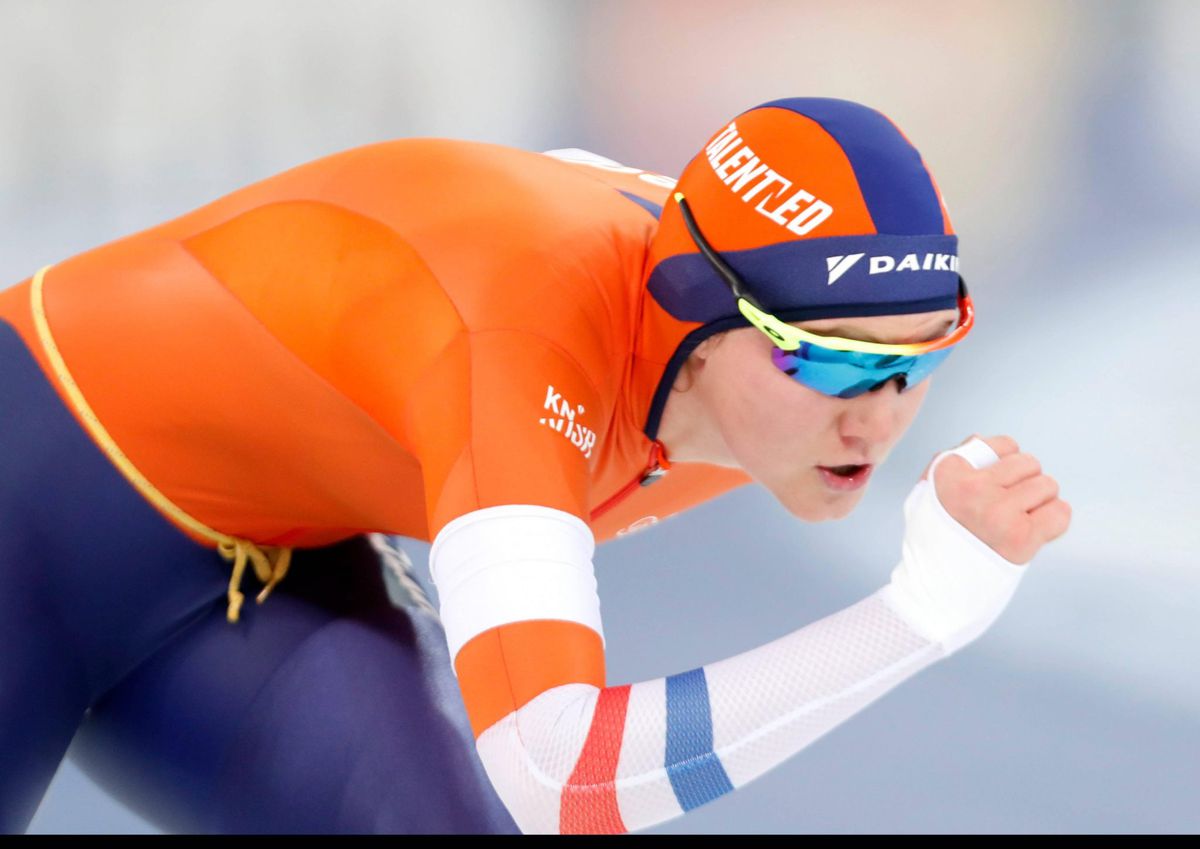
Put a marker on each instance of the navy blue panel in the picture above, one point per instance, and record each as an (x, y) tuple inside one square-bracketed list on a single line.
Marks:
[(893, 179), (92, 579), (795, 275), (123, 577), (651, 207)]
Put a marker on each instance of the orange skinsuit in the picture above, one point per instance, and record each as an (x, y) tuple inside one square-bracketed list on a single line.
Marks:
[(455, 342), (383, 340)]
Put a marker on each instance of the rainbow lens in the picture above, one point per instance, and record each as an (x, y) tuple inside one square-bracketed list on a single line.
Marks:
[(848, 374)]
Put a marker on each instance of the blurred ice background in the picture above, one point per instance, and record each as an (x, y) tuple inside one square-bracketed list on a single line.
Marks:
[(1066, 138)]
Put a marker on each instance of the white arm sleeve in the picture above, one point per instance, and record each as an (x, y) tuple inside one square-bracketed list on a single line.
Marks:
[(580, 758)]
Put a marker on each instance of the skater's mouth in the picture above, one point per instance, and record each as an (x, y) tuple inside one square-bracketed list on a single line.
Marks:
[(845, 478)]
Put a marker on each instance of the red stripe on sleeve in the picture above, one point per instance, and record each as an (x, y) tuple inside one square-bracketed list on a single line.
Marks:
[(589, 800)]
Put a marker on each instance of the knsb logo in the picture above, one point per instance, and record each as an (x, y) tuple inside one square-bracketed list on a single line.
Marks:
[(884, 264), (581, 436)]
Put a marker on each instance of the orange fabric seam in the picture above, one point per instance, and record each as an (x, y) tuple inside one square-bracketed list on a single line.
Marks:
[(401, 439)]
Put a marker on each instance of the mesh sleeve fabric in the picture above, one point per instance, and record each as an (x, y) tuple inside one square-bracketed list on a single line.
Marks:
[(568, 754), (584, 759)]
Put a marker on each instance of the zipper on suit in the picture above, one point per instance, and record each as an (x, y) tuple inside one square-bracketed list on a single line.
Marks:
[(656, 467)]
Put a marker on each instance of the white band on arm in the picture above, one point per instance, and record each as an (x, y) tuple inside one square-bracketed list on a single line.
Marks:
[(511, 564)]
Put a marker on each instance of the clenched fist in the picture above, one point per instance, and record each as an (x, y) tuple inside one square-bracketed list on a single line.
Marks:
[(968, 533), (1010, 505)]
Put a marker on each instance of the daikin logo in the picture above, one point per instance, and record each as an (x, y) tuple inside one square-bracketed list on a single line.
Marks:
[(839, 265)]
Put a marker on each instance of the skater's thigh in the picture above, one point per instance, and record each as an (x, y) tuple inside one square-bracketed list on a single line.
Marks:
[(92, 579), (43, 690), (325, 710)]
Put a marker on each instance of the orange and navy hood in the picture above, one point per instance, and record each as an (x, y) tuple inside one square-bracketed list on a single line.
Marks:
[(825, 209)]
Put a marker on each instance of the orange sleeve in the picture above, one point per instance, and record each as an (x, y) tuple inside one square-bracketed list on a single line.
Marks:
[(503, 669), (504, 417)]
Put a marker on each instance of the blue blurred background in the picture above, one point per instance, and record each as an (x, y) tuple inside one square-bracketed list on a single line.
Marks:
[(1066, 139)]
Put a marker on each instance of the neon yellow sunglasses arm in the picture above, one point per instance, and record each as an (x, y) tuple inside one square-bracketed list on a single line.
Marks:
[(789, 338)]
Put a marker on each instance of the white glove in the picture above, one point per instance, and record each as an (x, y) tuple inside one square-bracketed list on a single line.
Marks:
[(949, 585)]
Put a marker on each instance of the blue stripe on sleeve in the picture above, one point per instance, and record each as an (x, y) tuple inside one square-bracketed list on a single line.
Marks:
[(696, 773)]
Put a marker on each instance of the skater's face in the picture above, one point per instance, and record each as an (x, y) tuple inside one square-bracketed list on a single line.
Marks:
[(747, 413)]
